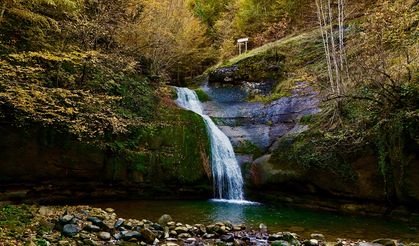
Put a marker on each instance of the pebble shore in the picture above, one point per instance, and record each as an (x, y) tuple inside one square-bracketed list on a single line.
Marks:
[(84, 225)]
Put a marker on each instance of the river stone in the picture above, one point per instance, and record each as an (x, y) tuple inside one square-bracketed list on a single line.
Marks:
[(237, 228), (200, 229), (95, 221), (311, 242), (208, 236), (118, 223), (386, 242), (66, 219), (71, 230), (289, 237), (227, 238), (148, 235), (263, 228), (117, 236), (90, 242), (280, 243), (171, 224), (131, 235), (105, 236), (157, 227), (63, 243), (213, 229), (184, 235), (318, 236), (224, 229), (91, 228), (109, 210), (238, 242), (171, 244), (181, 229), (190, 240), (364, 244), (166, 233), (164, 219), (261, 242)]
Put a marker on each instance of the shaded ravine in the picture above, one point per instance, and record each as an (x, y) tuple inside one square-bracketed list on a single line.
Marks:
[(227, 176)]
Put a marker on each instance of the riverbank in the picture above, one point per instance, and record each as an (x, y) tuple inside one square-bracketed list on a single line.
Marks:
[(86, 225)]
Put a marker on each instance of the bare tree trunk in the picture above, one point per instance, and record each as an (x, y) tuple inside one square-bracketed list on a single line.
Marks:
[(342, 50), (334, 45), (325, 38), (334, 53)]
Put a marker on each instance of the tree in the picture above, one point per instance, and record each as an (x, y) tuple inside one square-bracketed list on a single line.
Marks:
[(334, 47), (34, 24), (169, 35), (208, 11)]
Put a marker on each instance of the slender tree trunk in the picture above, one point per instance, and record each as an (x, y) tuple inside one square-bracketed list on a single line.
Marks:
[(325, 38), (334, 53)]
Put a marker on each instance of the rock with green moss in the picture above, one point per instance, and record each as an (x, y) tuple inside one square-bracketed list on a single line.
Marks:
[(202, 95), (169, 157), (257, 68)]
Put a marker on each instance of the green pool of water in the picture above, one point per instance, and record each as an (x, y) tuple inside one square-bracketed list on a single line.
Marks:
[(303, 222)]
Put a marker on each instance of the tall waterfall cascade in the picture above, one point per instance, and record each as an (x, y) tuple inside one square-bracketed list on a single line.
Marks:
[(227, 176)]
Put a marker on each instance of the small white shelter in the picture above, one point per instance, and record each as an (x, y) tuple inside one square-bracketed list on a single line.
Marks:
[(240, 42)]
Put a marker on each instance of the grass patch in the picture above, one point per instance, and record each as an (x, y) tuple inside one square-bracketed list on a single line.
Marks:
[(13, 220), (287, 43)]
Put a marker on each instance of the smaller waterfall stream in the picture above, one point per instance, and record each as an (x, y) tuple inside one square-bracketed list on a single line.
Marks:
[(228, 180)]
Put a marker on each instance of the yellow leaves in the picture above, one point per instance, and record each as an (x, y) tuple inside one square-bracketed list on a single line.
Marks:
[(167, 33), (74, 56), (394, 24), (83, 112)]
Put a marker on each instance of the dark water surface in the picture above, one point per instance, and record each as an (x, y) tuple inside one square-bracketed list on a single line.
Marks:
[(301, 221)]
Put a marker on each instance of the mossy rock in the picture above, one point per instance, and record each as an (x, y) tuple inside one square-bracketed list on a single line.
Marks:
[(202, 95), (174, 152), (257, 68)]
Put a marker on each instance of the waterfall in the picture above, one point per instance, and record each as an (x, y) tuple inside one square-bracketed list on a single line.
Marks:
[(228, 180)]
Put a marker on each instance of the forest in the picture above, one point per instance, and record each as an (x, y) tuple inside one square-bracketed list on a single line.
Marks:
[(146, 109)]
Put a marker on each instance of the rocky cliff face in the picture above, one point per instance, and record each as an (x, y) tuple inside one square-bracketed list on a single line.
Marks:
[(165, 160), (258, 123), (274, 178), (255, 125), (271, 128)]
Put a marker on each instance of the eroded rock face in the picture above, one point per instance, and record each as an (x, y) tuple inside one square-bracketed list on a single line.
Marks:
[(264, 125), (258, 123)]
